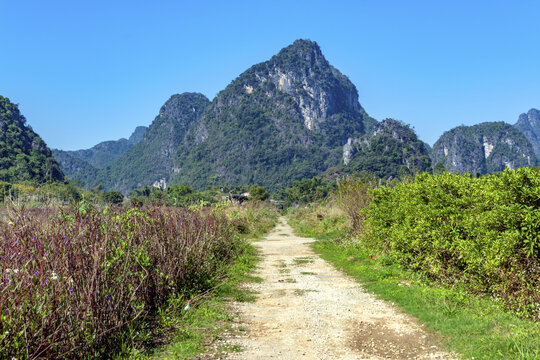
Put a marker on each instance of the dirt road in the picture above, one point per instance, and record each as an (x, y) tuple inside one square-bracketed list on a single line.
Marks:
[(305, 309)]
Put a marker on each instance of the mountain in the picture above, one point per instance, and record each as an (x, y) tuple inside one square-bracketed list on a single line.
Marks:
[(101, 155), (484, 148), (529, 125), (391, 150), (75, 168), (24, 156), (280, 121), (152, 159)]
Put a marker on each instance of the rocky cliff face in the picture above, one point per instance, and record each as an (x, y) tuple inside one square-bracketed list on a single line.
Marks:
[(24, 156), (319, 90), (483, 148), (529, 125), (391, 150)]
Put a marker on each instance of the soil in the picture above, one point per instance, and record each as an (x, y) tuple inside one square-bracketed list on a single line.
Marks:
[(306, 309)]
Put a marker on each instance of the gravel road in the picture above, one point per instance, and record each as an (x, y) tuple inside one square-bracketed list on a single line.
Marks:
[(306, 309)]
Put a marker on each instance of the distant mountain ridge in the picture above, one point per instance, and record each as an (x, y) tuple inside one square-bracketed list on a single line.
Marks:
[(279, 121), (107, 152), (24, 156)]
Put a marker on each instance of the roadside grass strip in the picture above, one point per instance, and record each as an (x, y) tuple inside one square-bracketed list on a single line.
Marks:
[(473, 327)]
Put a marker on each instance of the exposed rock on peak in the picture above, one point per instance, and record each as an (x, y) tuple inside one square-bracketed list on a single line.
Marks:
[(319, 90), (529, 125), (281, 120)]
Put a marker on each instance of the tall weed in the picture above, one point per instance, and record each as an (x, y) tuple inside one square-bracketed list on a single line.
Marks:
[(76, 282)]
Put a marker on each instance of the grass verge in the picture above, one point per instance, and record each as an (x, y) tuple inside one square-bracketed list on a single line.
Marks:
[(200, 329), (471, 327)]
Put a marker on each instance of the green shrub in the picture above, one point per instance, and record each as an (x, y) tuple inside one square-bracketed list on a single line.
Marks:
[(456, 228)]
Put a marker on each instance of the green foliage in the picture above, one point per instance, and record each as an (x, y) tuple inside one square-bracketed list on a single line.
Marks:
[(458, 229), (305, 191), (24, 156), (439, 168), (353, 196), (5, 190), (27, 193), (258, 193), (470, 326)]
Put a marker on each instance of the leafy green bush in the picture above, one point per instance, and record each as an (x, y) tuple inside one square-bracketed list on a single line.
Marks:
[(483, 231)]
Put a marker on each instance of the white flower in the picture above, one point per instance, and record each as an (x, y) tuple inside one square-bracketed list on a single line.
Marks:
[(54, 276)]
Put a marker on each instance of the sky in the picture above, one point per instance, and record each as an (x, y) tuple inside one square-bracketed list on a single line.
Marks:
[(84, 72)]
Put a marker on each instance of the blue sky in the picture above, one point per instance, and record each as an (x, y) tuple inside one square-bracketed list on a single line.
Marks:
[(88, 71)]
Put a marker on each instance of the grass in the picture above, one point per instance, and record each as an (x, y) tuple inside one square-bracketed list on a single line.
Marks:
[(301, 292), (200, 328), (303, 260), (472, 327)]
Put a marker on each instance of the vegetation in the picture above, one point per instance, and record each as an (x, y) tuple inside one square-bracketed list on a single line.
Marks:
[(481, 232), (91, 282), (305, 191), (23, 154)]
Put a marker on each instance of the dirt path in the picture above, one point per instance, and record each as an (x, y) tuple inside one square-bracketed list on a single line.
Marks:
[(305, 309)]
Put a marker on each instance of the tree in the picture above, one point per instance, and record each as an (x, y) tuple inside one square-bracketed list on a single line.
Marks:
[(258, 192), (113, 197)]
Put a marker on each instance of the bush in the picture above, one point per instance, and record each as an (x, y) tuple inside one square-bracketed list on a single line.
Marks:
[(113, 197), (353, 196), (482, 232)]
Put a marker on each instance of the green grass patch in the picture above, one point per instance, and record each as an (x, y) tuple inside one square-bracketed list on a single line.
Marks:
[(473, 327), (303, 260), (301, 292), (307, 273)]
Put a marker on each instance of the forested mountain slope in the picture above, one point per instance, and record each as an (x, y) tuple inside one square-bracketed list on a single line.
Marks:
[(24, 156)]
